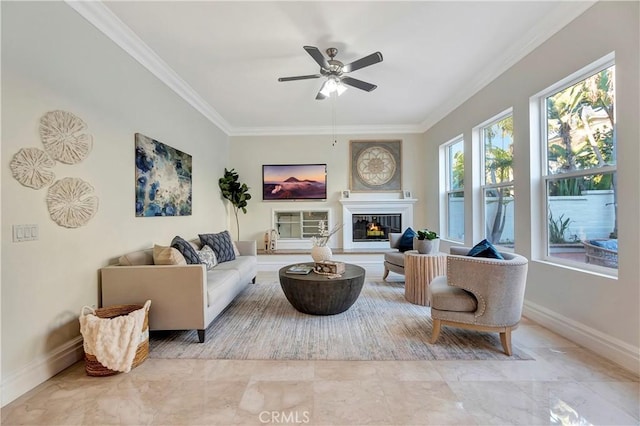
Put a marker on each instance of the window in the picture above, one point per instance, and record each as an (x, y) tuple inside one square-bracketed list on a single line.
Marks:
[(497, 185), (580, 169), (454, 189)]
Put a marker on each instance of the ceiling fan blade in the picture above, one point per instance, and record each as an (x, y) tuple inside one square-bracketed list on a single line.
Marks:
[(374, 58), (299, 77), (317, 56), (320, 96), (359, 84)]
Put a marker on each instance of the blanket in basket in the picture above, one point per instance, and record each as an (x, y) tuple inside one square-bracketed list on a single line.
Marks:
[(113, 341)]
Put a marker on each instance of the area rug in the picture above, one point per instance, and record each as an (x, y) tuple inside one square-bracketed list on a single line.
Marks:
[(260, 324)]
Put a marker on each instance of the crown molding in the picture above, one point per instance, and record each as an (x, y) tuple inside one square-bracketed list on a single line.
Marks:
[(96, 13), (106, 21), (325, 130), (564, 13)]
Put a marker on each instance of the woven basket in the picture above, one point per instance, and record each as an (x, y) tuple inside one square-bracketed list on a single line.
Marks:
[(93, 366), (600, 255)]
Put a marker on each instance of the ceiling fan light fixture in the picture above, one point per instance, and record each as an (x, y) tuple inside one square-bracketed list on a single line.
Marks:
[(334, 71), (333, 85)]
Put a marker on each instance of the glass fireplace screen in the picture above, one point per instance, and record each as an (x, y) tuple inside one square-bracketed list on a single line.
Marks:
[(375, 227)]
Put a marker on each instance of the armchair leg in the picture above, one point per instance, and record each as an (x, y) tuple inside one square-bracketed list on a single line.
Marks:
[(201, 336), (505, 338), (435, 332), (386, 274)]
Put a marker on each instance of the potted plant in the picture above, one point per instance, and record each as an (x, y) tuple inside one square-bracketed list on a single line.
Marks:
[(236, 192), (426, 242)]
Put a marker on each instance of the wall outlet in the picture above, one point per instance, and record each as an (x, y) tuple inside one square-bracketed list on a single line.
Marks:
[(25, 233)]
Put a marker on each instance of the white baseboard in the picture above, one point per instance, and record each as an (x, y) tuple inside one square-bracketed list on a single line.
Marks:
[(41, 370), (606, 346)]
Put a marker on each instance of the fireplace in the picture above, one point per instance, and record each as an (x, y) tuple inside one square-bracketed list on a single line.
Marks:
[(372, 220), (375, 227)]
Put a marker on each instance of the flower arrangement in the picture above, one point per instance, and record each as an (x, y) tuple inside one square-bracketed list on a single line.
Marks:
[(324, 234)]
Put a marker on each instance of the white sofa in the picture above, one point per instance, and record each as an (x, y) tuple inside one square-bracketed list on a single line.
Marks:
[(183, 297)]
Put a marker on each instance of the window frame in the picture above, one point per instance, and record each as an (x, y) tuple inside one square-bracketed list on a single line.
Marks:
[(483, 186), (446, 190), (540, 100)]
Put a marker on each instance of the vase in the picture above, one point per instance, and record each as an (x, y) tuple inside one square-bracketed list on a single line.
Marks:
[(426, 246), (321, 253)]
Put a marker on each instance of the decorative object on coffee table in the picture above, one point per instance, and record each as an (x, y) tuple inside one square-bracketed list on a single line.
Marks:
[(330, 267), (317, 294), (419, 271), (320, 250)]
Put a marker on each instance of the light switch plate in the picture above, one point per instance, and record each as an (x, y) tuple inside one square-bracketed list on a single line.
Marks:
[(25, 233)]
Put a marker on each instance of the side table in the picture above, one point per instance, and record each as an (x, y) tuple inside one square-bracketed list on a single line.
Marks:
[(419, 270)]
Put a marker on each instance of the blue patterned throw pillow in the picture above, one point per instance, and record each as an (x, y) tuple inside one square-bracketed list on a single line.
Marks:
[(187, 250), (485, 249), (406, 240), (221, 244)]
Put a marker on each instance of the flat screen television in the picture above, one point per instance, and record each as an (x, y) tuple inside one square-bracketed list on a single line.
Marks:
[(294, 182)]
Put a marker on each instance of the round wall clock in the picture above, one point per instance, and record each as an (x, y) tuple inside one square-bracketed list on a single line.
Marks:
[(376, 166)]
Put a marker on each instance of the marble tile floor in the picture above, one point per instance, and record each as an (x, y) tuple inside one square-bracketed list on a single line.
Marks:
[(565, 384)]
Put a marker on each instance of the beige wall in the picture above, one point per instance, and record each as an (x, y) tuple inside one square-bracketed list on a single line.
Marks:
[(600, 312), (249, 153), (53, 59)]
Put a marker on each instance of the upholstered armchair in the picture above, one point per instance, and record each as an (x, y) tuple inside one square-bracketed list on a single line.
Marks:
[(480, 294), (394, 260)]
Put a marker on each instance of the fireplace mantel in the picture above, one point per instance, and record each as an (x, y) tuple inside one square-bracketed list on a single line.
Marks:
[(402, 206)]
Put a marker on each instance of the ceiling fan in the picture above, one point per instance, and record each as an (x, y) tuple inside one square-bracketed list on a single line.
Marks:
[(334, 70)]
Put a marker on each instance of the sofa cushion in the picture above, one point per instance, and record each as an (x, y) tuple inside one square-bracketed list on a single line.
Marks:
[(187, 250), (485, 249), (219, 281), (163, 255), (444, 297), (395, 258), (221, 245), (245, 265), (406, 241), (207, 257)]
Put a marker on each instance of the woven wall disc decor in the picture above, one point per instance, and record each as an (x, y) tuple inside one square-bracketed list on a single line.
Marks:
[(30, 167), (63, 137), (71, 203)]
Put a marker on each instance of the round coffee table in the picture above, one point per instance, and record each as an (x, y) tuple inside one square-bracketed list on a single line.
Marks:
[(317, 294)]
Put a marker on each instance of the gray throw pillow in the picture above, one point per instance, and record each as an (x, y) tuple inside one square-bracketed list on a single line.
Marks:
[(221, 244)]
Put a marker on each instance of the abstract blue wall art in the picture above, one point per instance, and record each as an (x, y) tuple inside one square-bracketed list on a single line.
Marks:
[(163, 179)]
